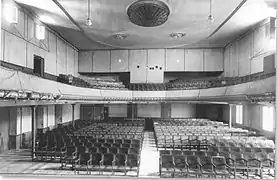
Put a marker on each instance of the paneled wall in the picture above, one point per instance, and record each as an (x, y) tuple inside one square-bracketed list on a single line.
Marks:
[(246, 55), (7, 119), (149, 110), (148, 66), (19, 46), (117, 110), (210, 111), (252, 117), (182, 110)]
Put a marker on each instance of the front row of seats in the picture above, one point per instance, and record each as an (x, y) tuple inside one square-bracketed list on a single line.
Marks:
[(194, 166), (107, 162)]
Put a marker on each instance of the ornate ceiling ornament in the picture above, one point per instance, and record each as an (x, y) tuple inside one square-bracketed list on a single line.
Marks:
[(148, 13)]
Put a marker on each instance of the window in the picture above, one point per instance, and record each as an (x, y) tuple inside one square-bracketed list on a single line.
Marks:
[(268, 118), (239, 114)]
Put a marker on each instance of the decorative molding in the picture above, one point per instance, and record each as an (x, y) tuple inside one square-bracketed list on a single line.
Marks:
[(266, 98)]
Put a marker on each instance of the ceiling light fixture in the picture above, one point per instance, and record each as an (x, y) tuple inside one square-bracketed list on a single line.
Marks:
[(210, 17), (177, 35), (88, 21), (120, 36)]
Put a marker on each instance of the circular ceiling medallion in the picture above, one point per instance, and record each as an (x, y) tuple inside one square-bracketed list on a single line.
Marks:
[(148, 13)]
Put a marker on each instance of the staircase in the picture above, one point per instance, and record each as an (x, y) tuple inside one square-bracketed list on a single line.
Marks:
[(149, 161)]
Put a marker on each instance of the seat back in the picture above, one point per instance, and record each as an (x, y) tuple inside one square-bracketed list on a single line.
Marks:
[(120, 159), (96, 158), (132, 160), (84, 158), (180, 161), (108, 159)]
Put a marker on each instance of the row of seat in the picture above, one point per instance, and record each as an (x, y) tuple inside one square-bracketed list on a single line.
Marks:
[(87, 83), (213, 82), (192, 165), (100, 162), (213, 165)]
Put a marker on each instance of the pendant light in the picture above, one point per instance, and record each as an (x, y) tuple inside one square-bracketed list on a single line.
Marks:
[(89, 21)]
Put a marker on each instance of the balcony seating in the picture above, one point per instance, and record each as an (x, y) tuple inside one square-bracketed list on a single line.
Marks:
[(87, 82), (148, 87), (213, 82)]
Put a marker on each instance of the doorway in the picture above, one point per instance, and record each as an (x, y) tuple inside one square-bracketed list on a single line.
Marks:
[(149, 124)]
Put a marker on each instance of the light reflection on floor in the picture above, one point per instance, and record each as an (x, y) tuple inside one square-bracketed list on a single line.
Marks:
[(149, 163)]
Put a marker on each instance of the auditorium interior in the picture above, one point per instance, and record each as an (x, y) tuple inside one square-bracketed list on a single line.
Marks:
[(138, 88)]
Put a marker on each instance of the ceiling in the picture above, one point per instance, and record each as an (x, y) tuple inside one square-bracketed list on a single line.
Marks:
[(231, 19)]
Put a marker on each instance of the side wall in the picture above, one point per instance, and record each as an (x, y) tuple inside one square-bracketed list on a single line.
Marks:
[(60, 57), (245, 55), (252, 117), (16, 123)]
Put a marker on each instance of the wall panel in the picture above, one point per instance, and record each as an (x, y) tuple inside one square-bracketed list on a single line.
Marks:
[(137, 66), (234, 60), (259, 41), (244, 55), (51, 115), (175, 60), (257, 64), (76, 63), (14, 44), (194, 60), (213, 60), (149, 110), (119, 61), (70, 60), (77, 111), (181, 110), (4, 126), (227, 61), (101, 61), (2, 44), (85, 61), (117, 110), (61, 57), (155, 66), (51, 56)]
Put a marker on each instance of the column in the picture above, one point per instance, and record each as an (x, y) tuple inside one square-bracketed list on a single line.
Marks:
[(73, 118), (275, 103), (230, 116), (33, 108), (1, 27)]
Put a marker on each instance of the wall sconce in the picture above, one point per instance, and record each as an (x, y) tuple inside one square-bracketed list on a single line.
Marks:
[(11, 13)]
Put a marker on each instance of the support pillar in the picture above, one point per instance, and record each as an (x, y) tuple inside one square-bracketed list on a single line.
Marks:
[(230, 116), (33, 108), (276, 101), (73, 116)]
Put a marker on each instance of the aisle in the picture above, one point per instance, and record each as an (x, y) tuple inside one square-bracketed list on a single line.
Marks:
[(149, 162)]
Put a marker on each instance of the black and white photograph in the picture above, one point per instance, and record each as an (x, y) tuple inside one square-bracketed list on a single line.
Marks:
[(138, 89)]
